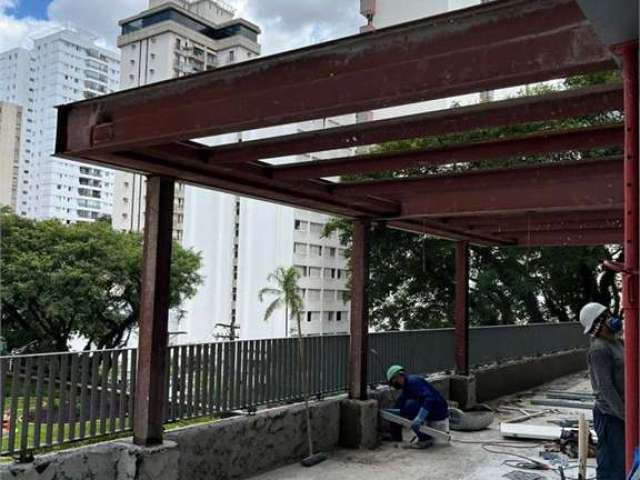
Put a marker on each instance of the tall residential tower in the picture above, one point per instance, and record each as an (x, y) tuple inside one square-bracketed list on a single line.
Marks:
[(60, 67)]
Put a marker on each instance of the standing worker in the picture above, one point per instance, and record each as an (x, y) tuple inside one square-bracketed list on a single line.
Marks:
[(419, 402), (606, 368)]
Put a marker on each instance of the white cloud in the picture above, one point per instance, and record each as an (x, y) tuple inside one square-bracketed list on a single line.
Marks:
[(96, 16), (285, 24), (14, 32)]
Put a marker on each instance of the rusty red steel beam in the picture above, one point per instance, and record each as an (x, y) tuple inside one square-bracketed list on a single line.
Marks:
[(442, 230), (461, 324), (154, 313), (569, 238), (538, 143), (546, 107), (499, 44), (191, 155), (359, 322), (202, 177), (566, 186), (535, 220)]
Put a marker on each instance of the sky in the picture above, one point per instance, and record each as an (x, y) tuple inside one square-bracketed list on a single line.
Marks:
[(286, 24)]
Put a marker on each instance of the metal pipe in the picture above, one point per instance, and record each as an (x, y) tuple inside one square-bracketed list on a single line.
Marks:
[(631, 291)]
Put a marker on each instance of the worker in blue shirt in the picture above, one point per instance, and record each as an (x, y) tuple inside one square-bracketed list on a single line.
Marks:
[(419, 402)]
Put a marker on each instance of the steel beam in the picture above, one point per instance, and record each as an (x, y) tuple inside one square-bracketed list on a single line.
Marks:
[(359, 336), (500, 44), (568, 238), (558, 187), (462, 308), (148, 415), (539, 143), (631, 284), (547, 107)]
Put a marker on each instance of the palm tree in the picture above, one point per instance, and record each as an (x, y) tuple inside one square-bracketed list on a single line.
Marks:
[(286, 293)]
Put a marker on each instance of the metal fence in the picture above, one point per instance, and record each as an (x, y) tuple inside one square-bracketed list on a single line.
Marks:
[(52, 399)]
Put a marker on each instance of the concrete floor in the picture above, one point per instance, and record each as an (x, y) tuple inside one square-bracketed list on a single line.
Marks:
[(457, 461)]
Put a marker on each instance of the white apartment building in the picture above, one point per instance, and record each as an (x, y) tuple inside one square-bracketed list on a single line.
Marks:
[(60, 67), (241, 240), (10, 131)]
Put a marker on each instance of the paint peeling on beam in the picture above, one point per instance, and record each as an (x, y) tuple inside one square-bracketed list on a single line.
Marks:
[(500, 44), (550, 106), (539, 143)]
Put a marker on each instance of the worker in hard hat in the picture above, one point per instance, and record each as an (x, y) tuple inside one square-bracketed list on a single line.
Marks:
[(606, 368), (419, 402)]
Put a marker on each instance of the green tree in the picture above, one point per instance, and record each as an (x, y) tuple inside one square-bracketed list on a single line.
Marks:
[(411, 283), (286, 294), (60, 281)]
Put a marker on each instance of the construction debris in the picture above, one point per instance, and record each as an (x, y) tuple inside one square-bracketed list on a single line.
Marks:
[(563, 403), (530, 432)]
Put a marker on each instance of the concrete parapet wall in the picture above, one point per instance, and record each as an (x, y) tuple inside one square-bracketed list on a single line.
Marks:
[(241, 446), (107, 461), (518, 375)]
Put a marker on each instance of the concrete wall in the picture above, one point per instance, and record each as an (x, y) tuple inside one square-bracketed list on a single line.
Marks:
[(515, 376), (239, 447)]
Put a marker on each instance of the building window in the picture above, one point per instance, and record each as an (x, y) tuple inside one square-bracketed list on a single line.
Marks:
[(302, 270), (315, 250), (316, 228), (300, 248), (314, 272), (301, 226), (313, 295), (232, 56)]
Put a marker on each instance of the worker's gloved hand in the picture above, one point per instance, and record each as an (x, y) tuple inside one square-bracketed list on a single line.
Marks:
[(419, 420)]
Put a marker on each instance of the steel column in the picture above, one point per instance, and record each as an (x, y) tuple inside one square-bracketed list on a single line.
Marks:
[(462, 308), (631, 291), (358, 348), (154, 312)]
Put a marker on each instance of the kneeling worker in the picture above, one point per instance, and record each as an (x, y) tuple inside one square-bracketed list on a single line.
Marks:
[(606, 368), (419, 402)]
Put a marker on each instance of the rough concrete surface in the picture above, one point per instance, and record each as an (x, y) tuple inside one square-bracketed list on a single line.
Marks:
[(358, 423), (457, 461), (237, 447), (118, 460)]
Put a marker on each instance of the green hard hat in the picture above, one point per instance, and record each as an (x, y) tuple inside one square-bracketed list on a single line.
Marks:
[(393, 371)]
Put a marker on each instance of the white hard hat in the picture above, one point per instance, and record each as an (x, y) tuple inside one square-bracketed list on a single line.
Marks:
[(589, 313)]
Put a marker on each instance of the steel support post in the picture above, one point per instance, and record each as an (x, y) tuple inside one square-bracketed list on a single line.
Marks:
[(462, 308), (359, 338), (154, 312), (631, 289)]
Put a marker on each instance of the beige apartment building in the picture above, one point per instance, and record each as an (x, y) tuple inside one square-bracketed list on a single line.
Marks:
[(10, 127)]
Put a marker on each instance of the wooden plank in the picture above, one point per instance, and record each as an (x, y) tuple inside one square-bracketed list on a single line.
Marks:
[(13, 405), (122, 407), (73, 391), (132, 389), (182, 410), (167, 386), (531, 432), (204, 392), (190, 375), (39, 396), (84, 386), (113, 399), (4, 365), (94, 407), (104, 391), (175, 382), (219, 364), (26, 404), (197, 380), (62, 396)]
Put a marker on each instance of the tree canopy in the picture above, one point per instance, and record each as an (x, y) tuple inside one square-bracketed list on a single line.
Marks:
[(411, 283), (61, 281)]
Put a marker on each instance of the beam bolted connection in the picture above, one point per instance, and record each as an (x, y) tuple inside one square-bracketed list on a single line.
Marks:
[(154, 313), (359, 337)]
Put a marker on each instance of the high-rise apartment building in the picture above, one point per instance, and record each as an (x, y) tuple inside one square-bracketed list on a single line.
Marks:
[(60, 67), (241, 240), (10, 131), (169, 40)]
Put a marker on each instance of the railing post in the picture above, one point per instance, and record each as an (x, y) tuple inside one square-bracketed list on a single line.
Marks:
[(462, 308), (154, 312), (358, 347), (630, 287)]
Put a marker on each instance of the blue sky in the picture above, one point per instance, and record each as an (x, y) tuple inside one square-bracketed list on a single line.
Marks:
[(31, 8)]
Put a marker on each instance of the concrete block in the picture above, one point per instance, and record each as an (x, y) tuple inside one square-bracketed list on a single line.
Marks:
[(462, 390), (359, 423), (146, 463)]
